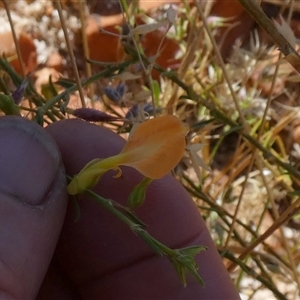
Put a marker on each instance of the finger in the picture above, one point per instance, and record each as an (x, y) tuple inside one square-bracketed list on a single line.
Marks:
[(32, 206), (103, 257)]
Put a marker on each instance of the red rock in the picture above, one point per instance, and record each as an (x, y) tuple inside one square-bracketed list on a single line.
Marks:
[(103, 46), (108, 48), (27, 48), (168, 51), (147, 5), (296, 132), (243, 20), (109, 8)]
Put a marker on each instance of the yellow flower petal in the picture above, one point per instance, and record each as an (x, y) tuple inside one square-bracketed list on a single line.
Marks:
[(91, 173), (156, 146), (84, 180)]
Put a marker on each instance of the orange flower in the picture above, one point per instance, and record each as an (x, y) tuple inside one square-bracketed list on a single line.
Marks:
[(153, 148)]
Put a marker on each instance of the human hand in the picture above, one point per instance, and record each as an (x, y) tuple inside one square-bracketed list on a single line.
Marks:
[(95, 256)]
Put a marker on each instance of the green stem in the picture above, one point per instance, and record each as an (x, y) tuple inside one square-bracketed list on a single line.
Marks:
[(103, 74), (182, 259)]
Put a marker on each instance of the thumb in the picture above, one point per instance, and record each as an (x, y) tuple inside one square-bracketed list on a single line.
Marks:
[(32, 205)]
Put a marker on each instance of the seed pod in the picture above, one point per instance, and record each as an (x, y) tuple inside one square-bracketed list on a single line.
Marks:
[(93, 115)]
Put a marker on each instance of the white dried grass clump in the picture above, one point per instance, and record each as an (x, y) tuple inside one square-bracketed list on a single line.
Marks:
[(241, 64), (41, 21), (35, 9), (43, 51), (25, 19), (34, 28), (4, 21), (256, 108)]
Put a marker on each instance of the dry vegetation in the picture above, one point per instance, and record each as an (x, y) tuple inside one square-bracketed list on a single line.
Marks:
[(242, 109)]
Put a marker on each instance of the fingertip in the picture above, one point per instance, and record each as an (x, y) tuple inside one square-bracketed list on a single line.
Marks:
[(33, 202)]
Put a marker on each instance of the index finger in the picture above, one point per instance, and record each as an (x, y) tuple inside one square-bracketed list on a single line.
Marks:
[(103, 257)]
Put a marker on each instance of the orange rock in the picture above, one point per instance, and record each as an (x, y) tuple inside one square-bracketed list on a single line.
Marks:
[(147, 5), (103, 46), (108, 48), (222, 8), (167, 53), (27, 48), (296, 132), (243, 21), (110, 7)]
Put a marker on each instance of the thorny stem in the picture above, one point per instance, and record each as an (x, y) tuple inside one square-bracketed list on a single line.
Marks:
[(174, 255)]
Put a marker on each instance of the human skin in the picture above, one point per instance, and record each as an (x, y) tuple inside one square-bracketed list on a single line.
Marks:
[(96, 256)]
